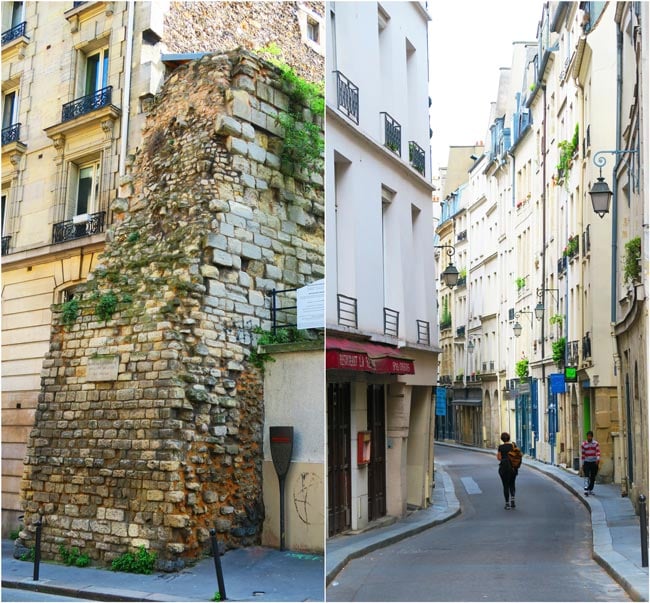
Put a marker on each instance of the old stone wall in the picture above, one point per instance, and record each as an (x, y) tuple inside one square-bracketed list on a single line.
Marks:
[(211, 26), (148, 429)]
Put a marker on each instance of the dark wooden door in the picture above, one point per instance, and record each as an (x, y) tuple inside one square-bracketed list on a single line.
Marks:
[(339, 493), (377, 466)]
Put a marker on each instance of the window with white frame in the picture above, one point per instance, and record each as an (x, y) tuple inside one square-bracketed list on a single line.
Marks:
[(311, 29), (9, 109), (83, 189), (96, 71)]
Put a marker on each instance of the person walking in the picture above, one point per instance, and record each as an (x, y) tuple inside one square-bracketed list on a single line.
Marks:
[(590, 460), (507, 472)]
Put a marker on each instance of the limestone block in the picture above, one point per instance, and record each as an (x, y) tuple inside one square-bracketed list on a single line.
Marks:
[(240, 104), (251, 251), (222, 258), (237, 146), (227, 126), (216, 241)]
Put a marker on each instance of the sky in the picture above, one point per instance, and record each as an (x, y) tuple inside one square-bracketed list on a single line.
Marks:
[(468, 42)]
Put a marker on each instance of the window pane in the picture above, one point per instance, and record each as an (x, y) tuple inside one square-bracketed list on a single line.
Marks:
[(8, 109), (85, 189), (17, 14), (4, 207), (92, 73), (105, 70)]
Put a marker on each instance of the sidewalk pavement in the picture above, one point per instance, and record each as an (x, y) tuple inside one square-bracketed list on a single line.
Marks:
[(615, 527), (250, 574)]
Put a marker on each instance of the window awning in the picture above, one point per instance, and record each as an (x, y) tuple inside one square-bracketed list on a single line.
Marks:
[(364, 356)]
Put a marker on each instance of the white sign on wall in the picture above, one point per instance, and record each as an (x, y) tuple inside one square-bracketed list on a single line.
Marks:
[(311, 305)]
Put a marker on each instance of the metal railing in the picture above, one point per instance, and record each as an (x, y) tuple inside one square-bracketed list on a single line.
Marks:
[(6, 240), (462, 281), (417, 156), (586, 240), (561, 265), (13, 33), (572, 353), (87, 104), (73, 229), (445, 379), (347, 97), (282, 314), (462, 235), (460, 332), (391, 322), (392, 134), (424, 335), (346, 310), (445, 324), (10, 134), (586, 346)]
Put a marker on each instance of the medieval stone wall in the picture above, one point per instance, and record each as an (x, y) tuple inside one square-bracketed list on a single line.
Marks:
[(149, 428)]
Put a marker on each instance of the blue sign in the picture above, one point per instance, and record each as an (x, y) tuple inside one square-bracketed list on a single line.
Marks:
[(441, 401), (558, 385)]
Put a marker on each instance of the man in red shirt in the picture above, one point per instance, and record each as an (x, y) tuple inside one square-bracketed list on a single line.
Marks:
[(590, 460)]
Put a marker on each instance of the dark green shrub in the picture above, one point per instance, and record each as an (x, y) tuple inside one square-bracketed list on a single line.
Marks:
[(141, 562)]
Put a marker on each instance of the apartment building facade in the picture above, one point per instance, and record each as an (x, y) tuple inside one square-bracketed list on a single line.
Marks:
[(575, 96), (78, 79), (381, 344)]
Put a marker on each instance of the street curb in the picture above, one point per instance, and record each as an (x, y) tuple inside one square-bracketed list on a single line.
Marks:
[(453, 509), (104, 594), (608, 558)]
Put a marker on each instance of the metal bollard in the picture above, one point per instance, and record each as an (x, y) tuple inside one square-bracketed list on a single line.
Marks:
[(37, 547), (643, 520), (217, 564)]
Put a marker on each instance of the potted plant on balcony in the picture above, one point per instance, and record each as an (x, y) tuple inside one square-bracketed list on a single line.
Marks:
[(559, 348), (521, 369), (632, 265), (572, 246), (520, 281)]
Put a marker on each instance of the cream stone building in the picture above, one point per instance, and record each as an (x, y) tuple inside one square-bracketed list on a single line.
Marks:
[(78, 79)]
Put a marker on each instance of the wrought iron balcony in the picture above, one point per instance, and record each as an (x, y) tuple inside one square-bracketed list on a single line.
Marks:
[(10, 134), (586, 240), (424, 335), (5, 244), (460, 332), (445, 379), (445, 324), (284, 308), (572, 353), (13, 33), (462, 235), (391, 322), (416, 156), (75, 229), (586, 346), (561, 265), (392, 134), (462, 281), (347, 97), (346, 309), (87, 104)]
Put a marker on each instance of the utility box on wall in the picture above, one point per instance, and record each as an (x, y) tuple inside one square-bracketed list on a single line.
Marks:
[(364, 442)]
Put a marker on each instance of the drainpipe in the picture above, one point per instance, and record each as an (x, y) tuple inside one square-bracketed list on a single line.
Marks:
[(544, 384), (622, 420), (126, 93)]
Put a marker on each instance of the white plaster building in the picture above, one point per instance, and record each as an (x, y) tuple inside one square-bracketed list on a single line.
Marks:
[(380, 311)]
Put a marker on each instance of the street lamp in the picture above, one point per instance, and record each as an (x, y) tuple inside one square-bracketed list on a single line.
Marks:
[(470, 347), (600, 193), (539, 308), (516, 328), (450, 274)]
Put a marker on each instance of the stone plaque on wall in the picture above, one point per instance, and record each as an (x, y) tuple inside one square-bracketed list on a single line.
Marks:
[(102, 368)]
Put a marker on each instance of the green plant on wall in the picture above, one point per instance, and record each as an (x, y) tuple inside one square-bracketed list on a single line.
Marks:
[(556, 319), (559, 347), (106, 306), (521, 369), (445, 318), (69, 311), (632, 266), (520, 281), (567, 149), (284, 335), (303, 143)]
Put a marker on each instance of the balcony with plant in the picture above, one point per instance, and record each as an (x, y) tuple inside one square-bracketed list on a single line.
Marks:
[(572, 247)]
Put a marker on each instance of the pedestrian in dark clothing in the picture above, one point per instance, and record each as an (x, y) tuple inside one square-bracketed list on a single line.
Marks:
[(507, 472), (590, 459)]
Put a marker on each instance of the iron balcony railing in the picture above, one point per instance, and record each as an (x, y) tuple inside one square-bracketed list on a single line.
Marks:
[(87, 104), (391, 322), (445, 324), (74, 229), (13, 33), (416, 156), (424, 335), (460, 332), (561, 265), (572, 353), (346, 310), (284, 309), (392, 134), (347, 97), (10, 134), (462, 281), (586, 240), (5, 244), (461, 236), (445, 379), (586, 346)]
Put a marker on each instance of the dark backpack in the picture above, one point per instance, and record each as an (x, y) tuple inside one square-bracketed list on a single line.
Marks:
[(515, 456)]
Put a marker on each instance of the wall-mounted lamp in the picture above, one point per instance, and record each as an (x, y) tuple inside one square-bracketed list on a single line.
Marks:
[(600, 193), (539, 308), (450, 274), (471, 346), (516, 328)]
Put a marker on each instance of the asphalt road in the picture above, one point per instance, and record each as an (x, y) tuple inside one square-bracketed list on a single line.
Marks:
[(540, 551), (11, 594)]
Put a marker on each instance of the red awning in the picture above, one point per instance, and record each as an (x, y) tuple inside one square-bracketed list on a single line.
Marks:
[(365, 356)]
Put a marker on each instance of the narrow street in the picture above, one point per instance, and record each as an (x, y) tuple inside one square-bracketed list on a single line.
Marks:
[(540, 551)]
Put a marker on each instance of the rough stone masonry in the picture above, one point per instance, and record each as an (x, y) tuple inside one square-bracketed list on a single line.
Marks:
[(149, 424)]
